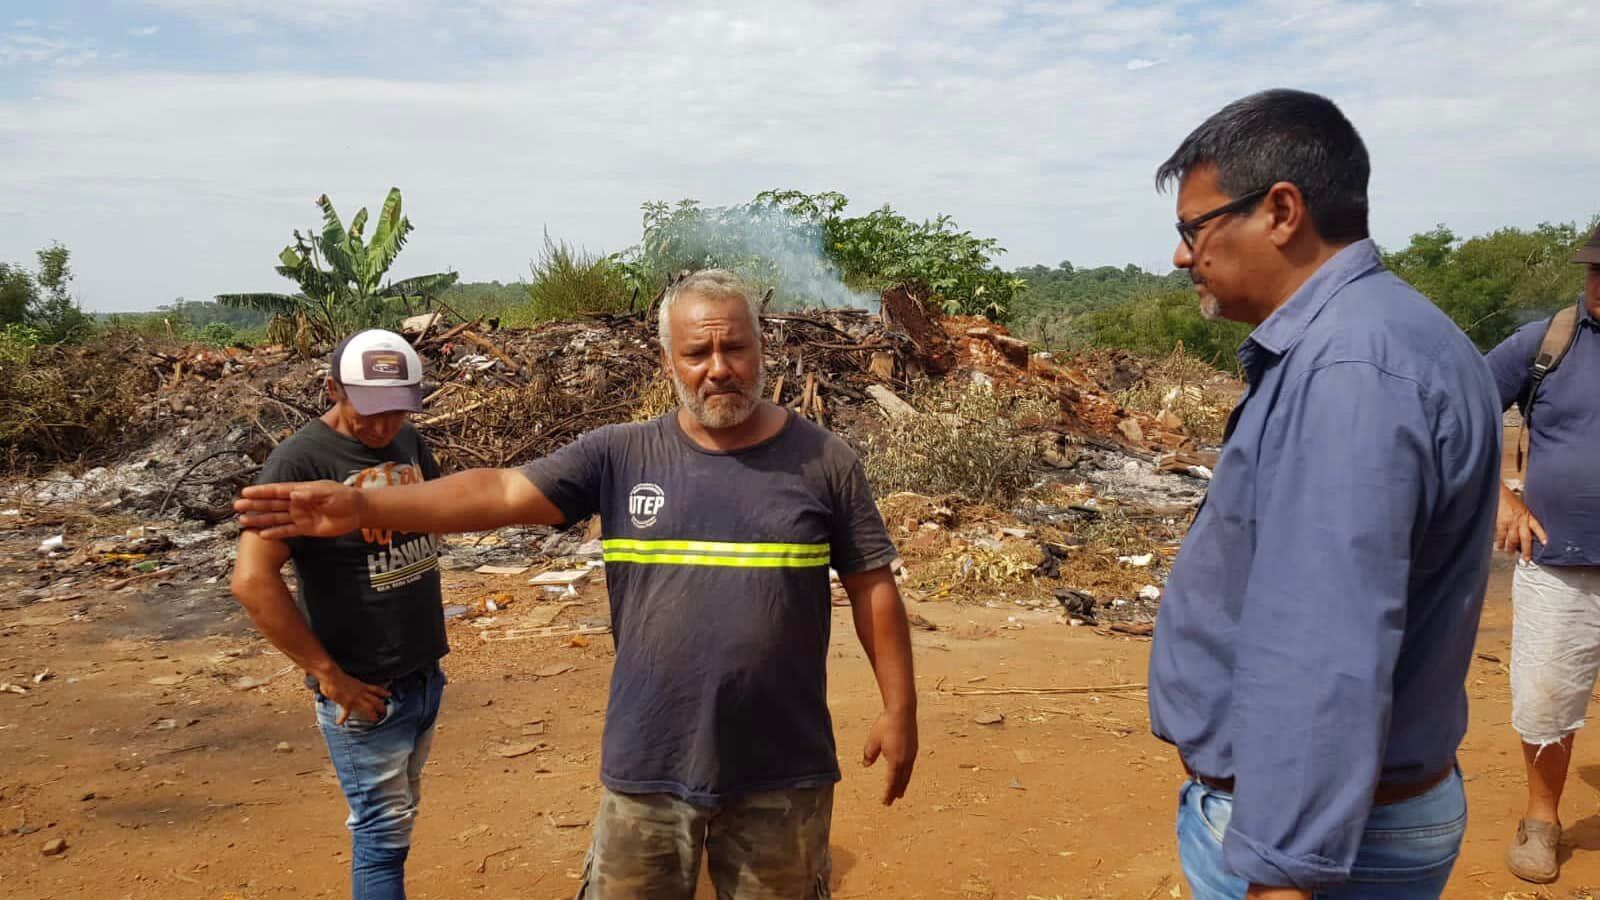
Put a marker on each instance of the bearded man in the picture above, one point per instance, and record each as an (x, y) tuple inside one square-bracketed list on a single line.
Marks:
[(720, 521)]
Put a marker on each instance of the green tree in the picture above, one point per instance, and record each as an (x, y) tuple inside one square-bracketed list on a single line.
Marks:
[(341, 276), (811, 253), (18, 294), (55, 313), (1492, 283), (1052, 308), (1154, 324)]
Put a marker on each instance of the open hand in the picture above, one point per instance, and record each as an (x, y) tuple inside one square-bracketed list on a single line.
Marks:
[(894, 737), (300, 509)]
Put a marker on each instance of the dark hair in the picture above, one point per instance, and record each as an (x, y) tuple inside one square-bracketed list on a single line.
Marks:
[(1284, 135)]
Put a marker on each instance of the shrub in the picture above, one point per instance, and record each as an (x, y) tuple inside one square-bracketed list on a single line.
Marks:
[(569, 281), (970, 440)]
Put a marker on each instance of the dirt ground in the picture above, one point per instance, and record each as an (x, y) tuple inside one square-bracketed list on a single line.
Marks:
[(179, 790), (169, 777)]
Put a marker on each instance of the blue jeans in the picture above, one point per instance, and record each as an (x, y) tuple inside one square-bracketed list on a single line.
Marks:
[(380, 768), (1406, 852)]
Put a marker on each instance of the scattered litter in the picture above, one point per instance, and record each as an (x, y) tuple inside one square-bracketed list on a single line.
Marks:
[(561, 582), (552, 671), (54, 847), (501, 570), (1141, 560), (42, 676), (283, 747), (454, 611), (989, 718), (542, 616), (523, 634), (1017, 785), (52, 544), (168, 680), (1149, 592), (166, 724), (9, 688), (512, 751)]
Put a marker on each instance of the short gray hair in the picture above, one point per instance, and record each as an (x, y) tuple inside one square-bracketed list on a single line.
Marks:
[(714, 283)]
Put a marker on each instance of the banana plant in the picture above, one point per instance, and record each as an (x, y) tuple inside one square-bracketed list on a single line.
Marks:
[(341, 275)]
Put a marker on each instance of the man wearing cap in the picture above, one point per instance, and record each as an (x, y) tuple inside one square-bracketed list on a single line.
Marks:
[(720, 522), (369, 627), (1554, 529)]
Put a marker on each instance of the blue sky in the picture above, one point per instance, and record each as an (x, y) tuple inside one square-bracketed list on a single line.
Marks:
[(174, 144)]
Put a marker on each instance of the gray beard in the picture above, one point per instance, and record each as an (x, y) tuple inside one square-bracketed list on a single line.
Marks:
[(724, 414)]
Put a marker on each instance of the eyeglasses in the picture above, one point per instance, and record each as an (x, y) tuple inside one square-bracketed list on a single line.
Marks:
[(1189, 229)]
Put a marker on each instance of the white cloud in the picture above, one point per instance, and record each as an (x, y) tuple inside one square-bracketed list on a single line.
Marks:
[(315, 14), (1026, 129), (24, 48), (76, 58), (146, 31)]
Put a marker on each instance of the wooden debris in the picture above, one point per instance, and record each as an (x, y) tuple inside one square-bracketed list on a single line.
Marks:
[(891, 404)]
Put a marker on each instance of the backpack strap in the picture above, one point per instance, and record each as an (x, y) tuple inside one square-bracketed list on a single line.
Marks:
[(1559, 335)]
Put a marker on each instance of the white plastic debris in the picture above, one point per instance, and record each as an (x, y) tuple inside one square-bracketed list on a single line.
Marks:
[(1140, 560), (1149, 592), (52, 544)]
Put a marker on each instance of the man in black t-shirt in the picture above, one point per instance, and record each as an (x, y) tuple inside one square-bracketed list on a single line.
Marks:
[(369, 627), (720, 522)]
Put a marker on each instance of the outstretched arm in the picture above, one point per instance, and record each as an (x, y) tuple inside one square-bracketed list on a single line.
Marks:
[(474, 500)]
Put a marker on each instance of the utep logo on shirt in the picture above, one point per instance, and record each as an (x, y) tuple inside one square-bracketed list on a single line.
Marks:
[(386, 475), (645, 502)]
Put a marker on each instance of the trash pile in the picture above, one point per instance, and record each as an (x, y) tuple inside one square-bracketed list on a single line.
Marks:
[(1116, 479)]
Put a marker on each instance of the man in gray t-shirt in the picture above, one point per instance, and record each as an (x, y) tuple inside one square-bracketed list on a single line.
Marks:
[(720, 522)]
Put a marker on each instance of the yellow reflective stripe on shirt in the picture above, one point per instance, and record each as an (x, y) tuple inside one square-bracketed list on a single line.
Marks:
[(735, 547), (716, 553), (742, 562)]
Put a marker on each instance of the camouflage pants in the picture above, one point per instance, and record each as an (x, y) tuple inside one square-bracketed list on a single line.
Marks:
[(767, 846)]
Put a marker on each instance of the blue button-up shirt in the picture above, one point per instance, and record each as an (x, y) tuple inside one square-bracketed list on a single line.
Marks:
[(1317, 627), (1561, 484)]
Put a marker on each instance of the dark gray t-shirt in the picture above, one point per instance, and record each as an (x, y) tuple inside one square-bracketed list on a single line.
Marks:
[(1562, 484), (717, 567), (371, 597)]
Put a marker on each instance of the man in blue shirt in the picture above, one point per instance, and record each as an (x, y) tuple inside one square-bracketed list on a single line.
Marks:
[(1310, 655), (1555, 594)]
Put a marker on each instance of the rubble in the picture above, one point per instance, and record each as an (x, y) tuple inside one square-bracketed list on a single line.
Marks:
[(1119, 450)]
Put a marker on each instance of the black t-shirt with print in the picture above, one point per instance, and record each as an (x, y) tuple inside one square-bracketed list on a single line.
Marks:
[(717, 566), (371, 597)]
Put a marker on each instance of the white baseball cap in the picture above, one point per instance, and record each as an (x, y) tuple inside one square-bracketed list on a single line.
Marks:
[(379, 372)]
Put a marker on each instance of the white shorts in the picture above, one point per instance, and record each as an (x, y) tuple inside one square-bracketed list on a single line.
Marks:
[(1555, 649)]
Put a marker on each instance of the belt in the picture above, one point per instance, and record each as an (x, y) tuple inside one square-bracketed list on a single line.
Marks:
[(1385, 795)]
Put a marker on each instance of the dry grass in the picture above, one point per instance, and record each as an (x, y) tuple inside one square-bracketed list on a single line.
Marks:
[(656, 399), (970, 440), (62, 405), (1188, 388)]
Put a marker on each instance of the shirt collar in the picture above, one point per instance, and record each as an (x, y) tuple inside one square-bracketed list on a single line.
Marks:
[(1288, 322)]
